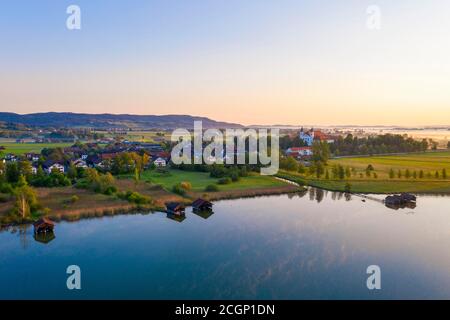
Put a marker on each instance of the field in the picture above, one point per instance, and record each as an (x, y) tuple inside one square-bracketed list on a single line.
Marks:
[(200, 180), (21, 148), (429, 163)]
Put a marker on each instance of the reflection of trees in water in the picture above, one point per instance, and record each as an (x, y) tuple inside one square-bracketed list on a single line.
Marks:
[(348, 196), (22, 233), (319, 195), (299, 194), (312, 194)]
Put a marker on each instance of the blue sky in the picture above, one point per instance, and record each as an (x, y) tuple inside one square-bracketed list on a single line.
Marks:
[(253, 61)]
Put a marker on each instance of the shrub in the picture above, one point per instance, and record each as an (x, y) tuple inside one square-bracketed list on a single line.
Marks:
[(211, 188), (224, 181), (182, 187), (74, 198)]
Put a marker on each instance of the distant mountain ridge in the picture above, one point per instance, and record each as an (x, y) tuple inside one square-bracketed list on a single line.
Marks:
[(104, 121)]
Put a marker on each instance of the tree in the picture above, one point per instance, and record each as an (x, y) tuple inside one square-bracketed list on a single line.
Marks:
[(12, 172), (327, 175), (436, 175), (289, 164), (348, 173), (407, 174), (321, 152), (399, 174), (414, 174), (25, 169), (421, 174), (341, 172), (320, 169), (444, 173), (448, 145), (26, 200), (391, 174), (72, 172)]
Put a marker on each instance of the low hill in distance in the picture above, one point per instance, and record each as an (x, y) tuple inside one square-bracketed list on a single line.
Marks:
[(104, 121)]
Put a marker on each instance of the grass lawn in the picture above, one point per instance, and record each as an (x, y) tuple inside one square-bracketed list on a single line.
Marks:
[(200, 180), (21, 148), (428, 162)]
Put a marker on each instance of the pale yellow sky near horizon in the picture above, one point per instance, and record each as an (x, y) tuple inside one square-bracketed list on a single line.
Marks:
[(294, 64)]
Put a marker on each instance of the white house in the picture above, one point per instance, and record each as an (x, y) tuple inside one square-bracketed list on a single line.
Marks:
[(307, 137), (33, 170), (49, 167), (300, 152), (80, 163), (160, 162)]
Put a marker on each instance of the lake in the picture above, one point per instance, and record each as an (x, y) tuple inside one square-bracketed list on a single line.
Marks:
[(315, 245)]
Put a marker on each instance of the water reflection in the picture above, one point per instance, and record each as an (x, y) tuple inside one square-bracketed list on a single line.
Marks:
[(176, 217), (304, 245), (44, 238)]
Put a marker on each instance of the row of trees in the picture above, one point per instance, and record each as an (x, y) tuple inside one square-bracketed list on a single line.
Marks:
[(388, 143)]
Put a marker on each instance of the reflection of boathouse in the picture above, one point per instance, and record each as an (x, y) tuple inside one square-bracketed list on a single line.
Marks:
[(43, 225), (44, 237), (404, 200), (176, 217)]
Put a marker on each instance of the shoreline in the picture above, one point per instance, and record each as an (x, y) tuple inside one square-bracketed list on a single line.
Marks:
[(128, 208)]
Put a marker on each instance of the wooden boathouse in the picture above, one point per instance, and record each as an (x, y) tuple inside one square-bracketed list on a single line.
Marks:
[(43, 225), (200, 205), (175, 208)]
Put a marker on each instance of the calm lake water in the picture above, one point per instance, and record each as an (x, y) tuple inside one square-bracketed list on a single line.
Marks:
[(311, 246)]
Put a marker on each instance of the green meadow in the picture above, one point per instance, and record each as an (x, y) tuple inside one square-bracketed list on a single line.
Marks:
[(380, 181), (22, 148), (200, 180)]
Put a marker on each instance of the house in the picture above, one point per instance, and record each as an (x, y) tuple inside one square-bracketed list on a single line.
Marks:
[(84, 156), (49, 166), (10, 157), (201, 205), (160, 162), (299, 152), (80, 163), (34, 170), (34, 157), (175, 208), (308, 137), (93, 161), (43, 225)]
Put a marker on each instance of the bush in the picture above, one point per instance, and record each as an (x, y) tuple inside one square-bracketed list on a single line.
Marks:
[(74, 199), (135, 197), (224, 181), (235, 177), (212, 188)]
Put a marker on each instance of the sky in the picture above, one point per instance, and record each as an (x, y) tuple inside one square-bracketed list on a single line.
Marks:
[(253, 62)]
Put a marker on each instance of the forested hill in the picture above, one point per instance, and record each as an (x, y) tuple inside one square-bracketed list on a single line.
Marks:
[(66, 119)]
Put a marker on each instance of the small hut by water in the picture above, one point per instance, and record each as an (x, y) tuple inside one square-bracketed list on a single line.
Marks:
[(43, 225), (201, 205), (175, 208)]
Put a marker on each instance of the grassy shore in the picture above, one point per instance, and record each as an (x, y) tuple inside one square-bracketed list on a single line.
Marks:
[(157, 186)]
